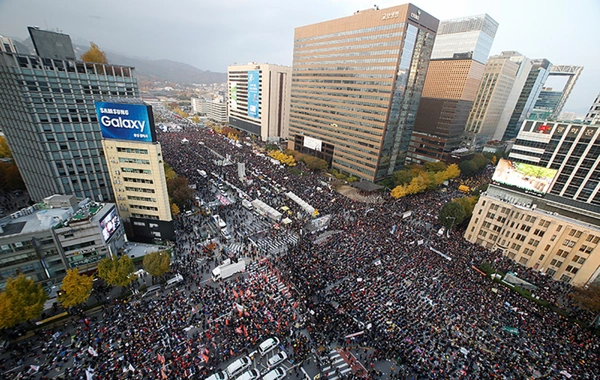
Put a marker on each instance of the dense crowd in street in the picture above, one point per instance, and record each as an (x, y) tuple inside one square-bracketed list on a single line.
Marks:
[(390, 285)]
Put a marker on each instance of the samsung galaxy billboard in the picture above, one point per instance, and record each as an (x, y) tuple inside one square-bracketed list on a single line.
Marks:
[(120, 121)]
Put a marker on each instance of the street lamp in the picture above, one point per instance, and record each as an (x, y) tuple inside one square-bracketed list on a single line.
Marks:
[(452, 225)]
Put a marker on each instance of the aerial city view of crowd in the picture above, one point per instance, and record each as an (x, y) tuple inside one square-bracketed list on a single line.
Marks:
[(375, 284)]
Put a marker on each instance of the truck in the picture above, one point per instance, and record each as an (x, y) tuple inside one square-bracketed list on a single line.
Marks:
[(228, 269)]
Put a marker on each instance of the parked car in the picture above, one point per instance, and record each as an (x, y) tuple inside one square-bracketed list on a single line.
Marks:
[(268, 345), (276, 359)]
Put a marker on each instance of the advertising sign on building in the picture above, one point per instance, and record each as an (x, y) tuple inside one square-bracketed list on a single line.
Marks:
[(528, 177), (120, 121), (312, 143), (253, 101), (233, 95)]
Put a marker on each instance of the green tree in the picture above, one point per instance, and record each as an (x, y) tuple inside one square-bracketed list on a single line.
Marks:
[(157, 263), (94, 55), (480, 161), (452, 214), (21, 301), (76, 288), (468, 203), (169, 172), (4, 149), (467, 168), (402, 177), (116, 272), (315, 163), (270, 147), (180, 192)]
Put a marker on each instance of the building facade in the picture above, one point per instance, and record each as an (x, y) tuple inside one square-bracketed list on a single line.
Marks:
[(44, 240), (593, 116), (551, 101), (498, 93), (136, 167), (47, 115), (259, 99), (573, 149), (532, 232), (531, 91), (356, 87)]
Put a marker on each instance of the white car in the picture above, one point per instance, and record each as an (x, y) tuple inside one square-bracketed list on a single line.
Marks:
[(238, 366), (275, 374), (220, 375), (253, 374), (268, 346), (276, 359)]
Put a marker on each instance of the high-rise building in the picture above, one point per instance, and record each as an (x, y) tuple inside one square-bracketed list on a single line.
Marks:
[(543, 206), (136, 168), (569, 147), (531, 91), (550, 102), (499, 90), (259, 99), (593, 116), (356, 87), (47, 114), (458, 61), (7, 45)]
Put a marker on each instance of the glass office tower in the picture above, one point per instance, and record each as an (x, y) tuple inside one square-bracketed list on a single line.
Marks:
[(356, 87)]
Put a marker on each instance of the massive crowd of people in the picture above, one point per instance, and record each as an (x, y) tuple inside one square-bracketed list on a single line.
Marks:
[(376, 280)]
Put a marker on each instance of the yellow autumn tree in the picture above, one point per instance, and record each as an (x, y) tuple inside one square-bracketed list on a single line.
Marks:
[(94, 55), (399, 192), (174, 209), (452, 171), (157, 263), (76, 288), (21, 301), (4, 149)]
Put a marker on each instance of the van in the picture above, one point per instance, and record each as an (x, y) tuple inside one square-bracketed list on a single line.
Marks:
[(253, 374), (247, 205), (151, 290), (275, 374), (268, 345), (174, 281), (276, 359), (238, 366)]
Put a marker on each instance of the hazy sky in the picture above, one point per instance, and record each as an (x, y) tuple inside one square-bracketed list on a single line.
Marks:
[(213, 34)]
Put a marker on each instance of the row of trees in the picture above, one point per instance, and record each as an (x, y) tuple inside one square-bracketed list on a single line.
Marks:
[(311, 162), (474, 165), (181, 196), (285, 159), (23, 299), (417, 180)]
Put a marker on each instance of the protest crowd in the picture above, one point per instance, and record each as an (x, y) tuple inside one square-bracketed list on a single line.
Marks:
[(381, 285)]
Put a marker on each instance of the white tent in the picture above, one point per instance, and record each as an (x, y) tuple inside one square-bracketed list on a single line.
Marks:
[(265, 209), (305, 206)]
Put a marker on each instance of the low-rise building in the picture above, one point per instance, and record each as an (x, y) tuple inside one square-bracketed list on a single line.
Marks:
[(44, 240)]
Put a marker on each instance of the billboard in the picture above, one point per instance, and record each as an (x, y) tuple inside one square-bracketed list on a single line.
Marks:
[(133, 122), (233, 95), (253, 84), (313, 143), (109, 224), (528, 177)]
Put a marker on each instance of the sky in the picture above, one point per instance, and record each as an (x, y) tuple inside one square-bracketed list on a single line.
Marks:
[(212, 34)]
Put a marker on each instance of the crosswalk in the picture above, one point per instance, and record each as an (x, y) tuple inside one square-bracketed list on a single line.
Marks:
[(236, 248), (336, 366), (278, 245)]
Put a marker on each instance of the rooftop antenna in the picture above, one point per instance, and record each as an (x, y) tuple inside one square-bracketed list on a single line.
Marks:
[(46, 24)]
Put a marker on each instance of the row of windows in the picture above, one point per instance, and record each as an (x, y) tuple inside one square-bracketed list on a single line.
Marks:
[(134, 161), (132, 150), (378, 28), (141, 207), (138, 180), (143, 216), (349, 41), (144, 199), (347, 61), (139, 189), (307, 58), (136, 171)]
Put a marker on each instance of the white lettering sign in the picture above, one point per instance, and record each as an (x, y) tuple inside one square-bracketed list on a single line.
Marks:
[(119, 122), (387, 16)]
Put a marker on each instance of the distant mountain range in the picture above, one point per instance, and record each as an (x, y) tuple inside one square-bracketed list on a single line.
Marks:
[(150, 70)]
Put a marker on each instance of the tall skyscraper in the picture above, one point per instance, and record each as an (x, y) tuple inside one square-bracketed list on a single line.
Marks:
[(356, 86), (457, 64), (593, 116), (499, 90), (259, 99), (47, 114), (531, 91), (551, 101)]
